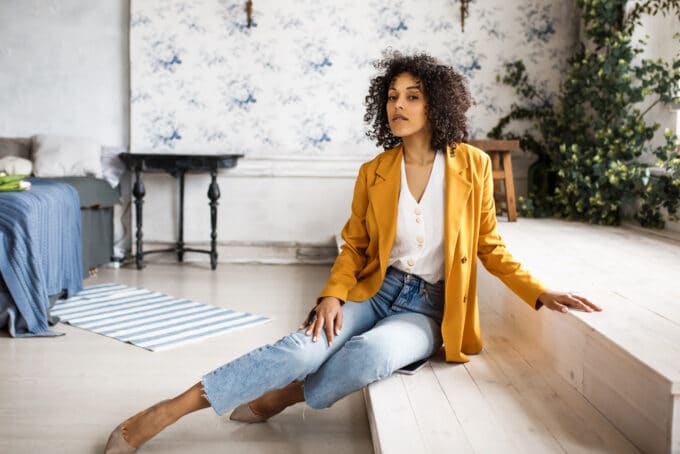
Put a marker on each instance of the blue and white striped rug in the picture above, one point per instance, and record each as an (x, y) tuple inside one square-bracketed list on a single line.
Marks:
[(148, 319)]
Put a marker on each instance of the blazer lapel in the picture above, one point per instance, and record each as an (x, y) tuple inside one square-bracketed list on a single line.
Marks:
[(384, 198), (457, 190)]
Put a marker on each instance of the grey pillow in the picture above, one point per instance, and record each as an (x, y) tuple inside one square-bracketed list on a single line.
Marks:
[(60, 156), (19, 146)]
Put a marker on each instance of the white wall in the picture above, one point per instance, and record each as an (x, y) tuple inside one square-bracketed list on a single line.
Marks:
[(64, 69), (660, 44), (658, 31), (194, 62), (262, 201)]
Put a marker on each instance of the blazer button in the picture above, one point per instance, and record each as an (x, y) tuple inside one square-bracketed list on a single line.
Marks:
[(463, 260)]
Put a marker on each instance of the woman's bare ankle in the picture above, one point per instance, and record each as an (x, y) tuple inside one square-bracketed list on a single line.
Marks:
[(193, 399), (275, 401), (148, 423)]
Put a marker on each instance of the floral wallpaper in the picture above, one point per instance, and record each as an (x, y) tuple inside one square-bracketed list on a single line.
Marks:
[(294, 82)]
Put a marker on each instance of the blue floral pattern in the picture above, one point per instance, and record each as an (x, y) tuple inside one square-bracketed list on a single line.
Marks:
[(294, 83)]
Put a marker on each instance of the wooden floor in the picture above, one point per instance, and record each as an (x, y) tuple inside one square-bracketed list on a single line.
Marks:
[(499, 402), (633, 275), (626, 359), (546, 382), (64, 395)]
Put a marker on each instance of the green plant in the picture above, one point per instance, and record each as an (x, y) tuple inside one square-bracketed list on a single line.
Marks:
[(589, 136)]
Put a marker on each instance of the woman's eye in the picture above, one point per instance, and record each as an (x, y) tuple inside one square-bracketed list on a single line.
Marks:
[(391, 98), (413, 97)]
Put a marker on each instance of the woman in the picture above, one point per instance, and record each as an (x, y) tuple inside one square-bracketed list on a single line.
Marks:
[(405, 280)]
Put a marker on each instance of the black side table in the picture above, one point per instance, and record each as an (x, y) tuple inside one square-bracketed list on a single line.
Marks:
[(178, 165)]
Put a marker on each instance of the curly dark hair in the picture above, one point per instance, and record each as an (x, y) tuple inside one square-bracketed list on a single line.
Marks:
[(446, 94)]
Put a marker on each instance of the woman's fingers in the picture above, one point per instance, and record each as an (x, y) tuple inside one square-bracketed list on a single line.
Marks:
[(559, 301), (309, 320), (338, 323), (329, 331), (588, 303), (576, 302), (314, 328), (556, 306), (320, 320), (320, 323), (328, 315)]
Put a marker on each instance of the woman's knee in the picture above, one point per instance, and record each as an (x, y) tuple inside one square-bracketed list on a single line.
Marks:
[(371, 357), (305, 354)]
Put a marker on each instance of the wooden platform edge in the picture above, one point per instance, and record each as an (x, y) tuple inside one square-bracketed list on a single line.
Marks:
[(372, 423), (638, 400)]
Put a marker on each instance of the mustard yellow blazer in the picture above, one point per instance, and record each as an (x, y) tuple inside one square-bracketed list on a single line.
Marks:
[(469, 232)]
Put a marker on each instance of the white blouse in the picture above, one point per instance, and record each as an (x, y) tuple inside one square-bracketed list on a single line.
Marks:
[(419, 243)]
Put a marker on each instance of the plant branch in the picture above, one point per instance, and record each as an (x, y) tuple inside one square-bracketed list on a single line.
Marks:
[(650, 107)]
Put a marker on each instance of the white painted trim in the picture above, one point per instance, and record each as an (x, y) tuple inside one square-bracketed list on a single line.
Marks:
[(298, 166), (264, 252)]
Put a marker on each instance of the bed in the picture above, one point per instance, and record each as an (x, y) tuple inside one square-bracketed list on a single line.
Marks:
[(40, 255)]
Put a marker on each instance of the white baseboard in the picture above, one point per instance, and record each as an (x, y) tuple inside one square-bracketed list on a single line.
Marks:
[(298, 166), (271, 253)]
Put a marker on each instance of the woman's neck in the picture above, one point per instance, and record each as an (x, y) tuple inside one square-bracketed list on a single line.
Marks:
[(418, 149)]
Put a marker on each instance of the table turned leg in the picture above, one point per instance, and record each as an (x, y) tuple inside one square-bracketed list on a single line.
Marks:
[(139, 191), (213, 195), (180, 239)]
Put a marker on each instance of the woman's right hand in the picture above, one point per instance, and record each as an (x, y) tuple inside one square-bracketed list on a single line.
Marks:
[(328, 314)]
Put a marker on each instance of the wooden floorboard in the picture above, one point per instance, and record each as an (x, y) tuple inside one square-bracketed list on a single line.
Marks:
[(624, 360), (437, 422), (606, 382), (520, 420), (483, 426), (65, 394), (578, 428), (394, 424)]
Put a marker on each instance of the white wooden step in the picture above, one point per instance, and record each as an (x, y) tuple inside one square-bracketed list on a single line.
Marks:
[(552, 382), (624, 360), (496, 403)]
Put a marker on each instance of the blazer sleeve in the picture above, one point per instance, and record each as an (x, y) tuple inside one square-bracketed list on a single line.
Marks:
[(493, 254), (352, 257)]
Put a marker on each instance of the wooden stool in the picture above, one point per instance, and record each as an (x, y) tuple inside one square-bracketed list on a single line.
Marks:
[(501, 163)]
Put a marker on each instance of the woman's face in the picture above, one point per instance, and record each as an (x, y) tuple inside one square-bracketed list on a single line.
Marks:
[(407, 107)]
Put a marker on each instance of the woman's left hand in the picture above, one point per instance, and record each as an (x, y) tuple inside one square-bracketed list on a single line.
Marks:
[(559, 301)]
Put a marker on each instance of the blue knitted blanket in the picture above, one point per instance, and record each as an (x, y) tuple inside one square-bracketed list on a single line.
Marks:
[(40, 254)]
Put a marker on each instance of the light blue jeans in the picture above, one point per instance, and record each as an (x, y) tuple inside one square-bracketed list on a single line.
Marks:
[(395, 327)]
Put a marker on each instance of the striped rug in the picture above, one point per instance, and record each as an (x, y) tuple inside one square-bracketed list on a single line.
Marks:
[(148, 319)]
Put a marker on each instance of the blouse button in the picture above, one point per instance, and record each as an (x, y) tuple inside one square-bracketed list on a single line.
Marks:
[(420, 239), (418, 211), (410, 262), (419, 220), (463, 260)]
